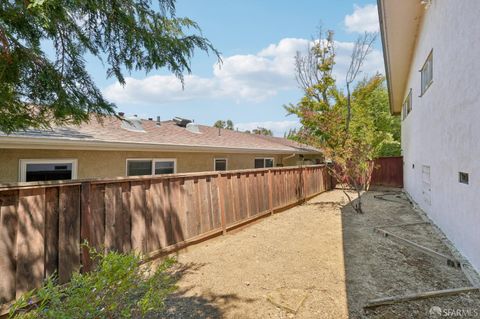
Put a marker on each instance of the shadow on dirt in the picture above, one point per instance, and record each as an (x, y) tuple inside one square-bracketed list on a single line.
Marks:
[(184, 304)]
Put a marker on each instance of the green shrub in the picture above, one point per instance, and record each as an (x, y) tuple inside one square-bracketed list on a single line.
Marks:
[(119, 287), (389, 148)]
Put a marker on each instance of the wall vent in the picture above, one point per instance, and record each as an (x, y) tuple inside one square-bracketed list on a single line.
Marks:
[(463, 177)]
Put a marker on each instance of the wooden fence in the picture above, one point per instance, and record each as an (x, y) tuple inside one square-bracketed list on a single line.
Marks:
[(42, 225), (388, 171)]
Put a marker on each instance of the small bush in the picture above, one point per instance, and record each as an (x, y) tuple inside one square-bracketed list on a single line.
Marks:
[(119, 287), (389, 148)]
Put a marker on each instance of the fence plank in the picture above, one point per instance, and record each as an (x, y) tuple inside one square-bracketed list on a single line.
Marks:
[(178, 219), (97, 207), (86, 224), (215, 213), (157, 229), (127, 224), (30, 240), (138, 214), (222, 191), (51, 230), (69, 232), (8, 247), (113, 217), (229, 200), (193, 227), (270, 191), (203, 209)]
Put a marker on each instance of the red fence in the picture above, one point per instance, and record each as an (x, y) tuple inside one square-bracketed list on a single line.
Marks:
[(388, 171), (42, 225)]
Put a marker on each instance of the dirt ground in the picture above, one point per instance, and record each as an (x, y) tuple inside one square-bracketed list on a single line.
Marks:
[(318, 260)]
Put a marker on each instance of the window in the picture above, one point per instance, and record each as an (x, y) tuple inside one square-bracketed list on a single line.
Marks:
[(164, 167), (220, 164), (427, 73), (138, 167), (263, 162), (463, 177), (407, 104), (33, 170)]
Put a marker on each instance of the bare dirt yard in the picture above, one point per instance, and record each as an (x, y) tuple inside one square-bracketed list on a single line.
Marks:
[(319, 260)]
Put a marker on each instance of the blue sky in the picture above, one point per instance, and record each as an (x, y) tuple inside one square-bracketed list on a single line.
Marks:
[(258, 40)]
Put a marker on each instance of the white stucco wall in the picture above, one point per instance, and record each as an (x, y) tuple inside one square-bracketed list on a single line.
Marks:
[(443, 129)]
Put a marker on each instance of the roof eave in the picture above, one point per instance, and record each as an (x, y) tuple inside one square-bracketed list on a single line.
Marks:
[(400, 22), (72, 144), (386, 60)]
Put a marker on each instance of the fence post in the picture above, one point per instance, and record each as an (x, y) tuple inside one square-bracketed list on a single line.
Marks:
[(85, 225), (221, 199), (270, 191), (302, 181)]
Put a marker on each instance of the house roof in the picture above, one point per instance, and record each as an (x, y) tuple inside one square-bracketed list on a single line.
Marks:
[(399, 26), (115, 134)]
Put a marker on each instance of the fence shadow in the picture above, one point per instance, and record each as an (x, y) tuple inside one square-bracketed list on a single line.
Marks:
[(185, 303)]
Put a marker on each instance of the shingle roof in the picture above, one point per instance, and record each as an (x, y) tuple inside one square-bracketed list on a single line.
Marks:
[(168, 133)]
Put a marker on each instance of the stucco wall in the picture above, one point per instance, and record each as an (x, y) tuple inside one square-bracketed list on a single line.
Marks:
[(93, 164), (442, 131)]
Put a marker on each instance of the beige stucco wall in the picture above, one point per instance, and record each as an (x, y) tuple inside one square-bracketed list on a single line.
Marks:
[(95, 164)]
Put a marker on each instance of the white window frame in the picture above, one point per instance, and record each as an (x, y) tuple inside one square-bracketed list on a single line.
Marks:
[(265, 158), (428, 61), (215, 163), (154, 160), (22, 167), (407, 105)]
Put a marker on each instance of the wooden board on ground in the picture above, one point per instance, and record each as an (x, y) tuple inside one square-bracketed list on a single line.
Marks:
[(422, 295), (452, 262)]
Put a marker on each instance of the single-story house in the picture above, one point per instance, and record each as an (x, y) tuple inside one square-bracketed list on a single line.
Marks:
[(116, 147), (433, 72)]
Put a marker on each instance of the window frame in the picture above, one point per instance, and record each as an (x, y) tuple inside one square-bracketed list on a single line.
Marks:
[(407, 108), (264, 158), (22, 165), (427, 85), (152, 168), (215, 163)]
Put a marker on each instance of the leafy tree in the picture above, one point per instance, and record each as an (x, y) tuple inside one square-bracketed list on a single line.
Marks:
[(228, 124), (346, 125), (44, 44), (292, 134), (262, 131)]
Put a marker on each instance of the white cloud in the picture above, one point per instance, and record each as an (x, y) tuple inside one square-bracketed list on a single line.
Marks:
[(362, 19), (159, 89), (251, 77), (241, 78), (278, 127)]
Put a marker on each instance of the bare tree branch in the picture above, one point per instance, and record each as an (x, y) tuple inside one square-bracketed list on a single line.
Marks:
[(361, 49), (308, 72)]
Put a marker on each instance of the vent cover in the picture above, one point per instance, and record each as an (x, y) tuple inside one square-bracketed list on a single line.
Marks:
[(193, 128), (133, 124), (181, 122)]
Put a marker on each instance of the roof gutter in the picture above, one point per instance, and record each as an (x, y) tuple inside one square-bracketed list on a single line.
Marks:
[(386, 60), (71, 144)]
